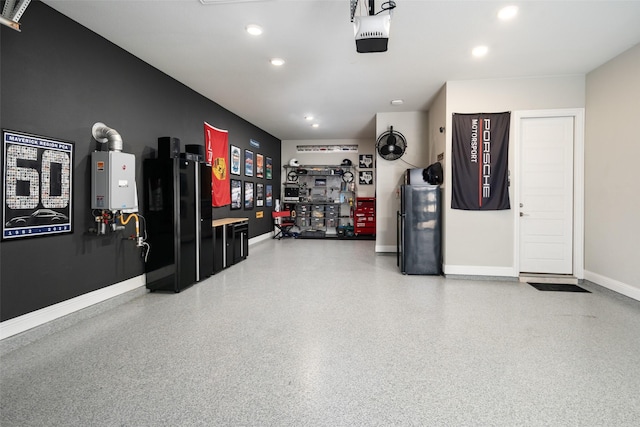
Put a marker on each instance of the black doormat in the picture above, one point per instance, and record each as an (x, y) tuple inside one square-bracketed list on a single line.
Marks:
[(558, 287)]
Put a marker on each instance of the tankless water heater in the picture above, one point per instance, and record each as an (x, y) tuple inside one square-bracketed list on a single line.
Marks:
[(113, 174)]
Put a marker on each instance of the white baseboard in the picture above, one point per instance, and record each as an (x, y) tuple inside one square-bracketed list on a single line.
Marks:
[(476, 270), (386, 248), (28, 321), (613, 285), (260, 238)]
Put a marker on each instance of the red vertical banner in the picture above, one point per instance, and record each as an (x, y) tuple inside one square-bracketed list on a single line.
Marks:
[(217, 151)]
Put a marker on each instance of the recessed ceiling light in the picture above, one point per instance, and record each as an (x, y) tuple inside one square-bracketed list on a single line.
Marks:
[(253, 29), (277, 61), (507, 13), (397, 102), (479, 51), (308, 117), (315, 125)]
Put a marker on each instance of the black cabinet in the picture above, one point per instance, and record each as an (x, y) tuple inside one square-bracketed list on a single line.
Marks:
[(240, 241), (231, 242), (219, 248), (205, 250), (177, 208)]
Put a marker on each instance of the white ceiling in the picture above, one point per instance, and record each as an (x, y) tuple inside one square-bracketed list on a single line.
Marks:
[(206, 48)]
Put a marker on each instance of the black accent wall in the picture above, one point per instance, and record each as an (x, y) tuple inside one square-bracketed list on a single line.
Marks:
[(57, 79)]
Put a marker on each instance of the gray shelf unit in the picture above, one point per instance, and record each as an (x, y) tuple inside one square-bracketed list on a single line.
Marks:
[(326, 194)]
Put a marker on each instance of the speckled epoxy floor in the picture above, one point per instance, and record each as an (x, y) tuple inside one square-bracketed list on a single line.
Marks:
[(325, 333)]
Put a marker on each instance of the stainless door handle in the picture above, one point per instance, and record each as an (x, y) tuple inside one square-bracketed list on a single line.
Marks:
[(523, 214)]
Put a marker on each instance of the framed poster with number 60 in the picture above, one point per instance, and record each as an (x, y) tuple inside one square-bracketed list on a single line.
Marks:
[(37, 174)]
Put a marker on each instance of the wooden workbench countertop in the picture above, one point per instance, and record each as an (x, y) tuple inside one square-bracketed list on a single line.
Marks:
[(226, 221)]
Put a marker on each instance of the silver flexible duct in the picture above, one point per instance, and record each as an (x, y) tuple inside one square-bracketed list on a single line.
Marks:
[(103, 133)]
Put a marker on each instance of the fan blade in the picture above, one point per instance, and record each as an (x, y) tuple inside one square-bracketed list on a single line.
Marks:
[(385, 150), (398, 150)]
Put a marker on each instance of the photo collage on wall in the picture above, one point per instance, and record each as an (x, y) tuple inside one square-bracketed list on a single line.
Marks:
[(38, 185), (248, 194)]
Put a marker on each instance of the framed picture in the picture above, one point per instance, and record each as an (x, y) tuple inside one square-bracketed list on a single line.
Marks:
[(269, 168), (259, 195), (248, 195), (365, 177), (235, 160), (365, 161), (236, 194), (37, 173), (259, 166), (248, 163), (269, 195)]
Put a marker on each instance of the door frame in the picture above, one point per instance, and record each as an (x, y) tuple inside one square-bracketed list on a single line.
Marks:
[(578, 181)]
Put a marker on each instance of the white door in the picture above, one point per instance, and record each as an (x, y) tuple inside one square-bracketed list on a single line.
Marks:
[(546, 195)]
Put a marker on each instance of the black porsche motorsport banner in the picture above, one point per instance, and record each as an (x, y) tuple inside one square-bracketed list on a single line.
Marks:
[(480, 152)]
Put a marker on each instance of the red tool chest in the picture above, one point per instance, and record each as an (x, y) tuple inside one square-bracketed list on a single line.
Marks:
[(364, 216)]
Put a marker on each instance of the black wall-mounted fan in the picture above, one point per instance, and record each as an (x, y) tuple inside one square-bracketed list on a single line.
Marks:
[(391, 144)]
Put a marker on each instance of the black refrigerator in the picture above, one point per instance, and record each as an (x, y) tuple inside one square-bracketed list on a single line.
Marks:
[(420, 230), (177, 208)]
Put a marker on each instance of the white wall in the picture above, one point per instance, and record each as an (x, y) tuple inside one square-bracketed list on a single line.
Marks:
[(437, 120), (437, 142), (481, 243), (414, 126), (612, 189)]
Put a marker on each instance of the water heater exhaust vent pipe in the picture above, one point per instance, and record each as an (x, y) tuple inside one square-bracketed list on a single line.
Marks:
[(103, 133)]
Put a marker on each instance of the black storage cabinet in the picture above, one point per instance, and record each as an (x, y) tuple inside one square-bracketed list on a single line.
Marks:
[(240, 241), (230, 242), (177, 208)]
